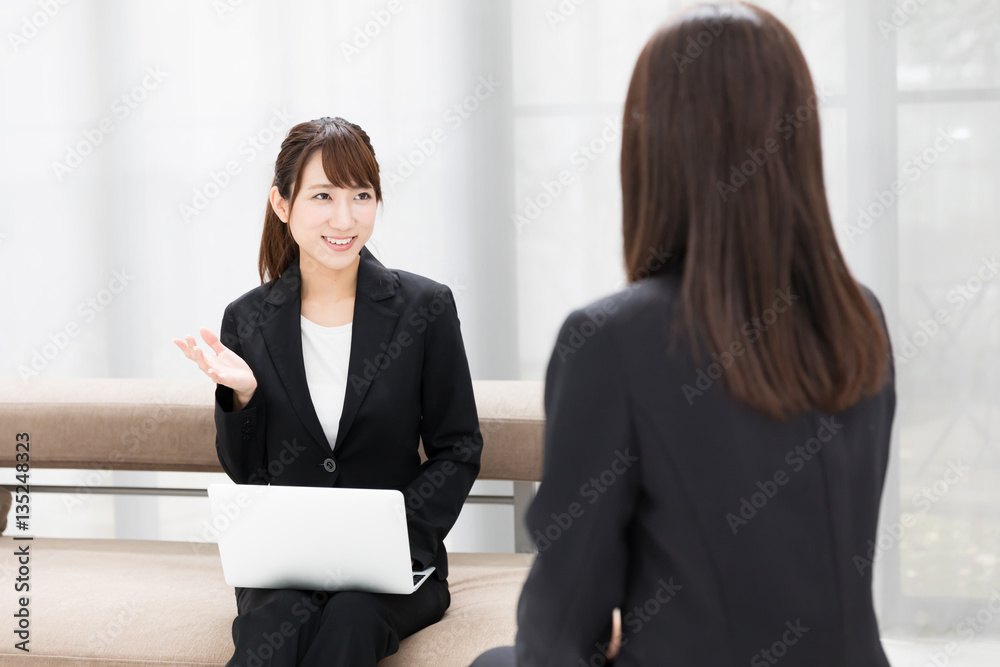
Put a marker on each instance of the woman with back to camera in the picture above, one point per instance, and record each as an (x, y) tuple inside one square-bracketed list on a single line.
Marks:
[(330, 374), (717, 433)]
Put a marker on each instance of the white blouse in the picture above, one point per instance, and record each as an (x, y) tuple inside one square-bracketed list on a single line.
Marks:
[(326, 352)]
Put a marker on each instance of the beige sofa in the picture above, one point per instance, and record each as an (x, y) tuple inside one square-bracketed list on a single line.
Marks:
[(100, 602)]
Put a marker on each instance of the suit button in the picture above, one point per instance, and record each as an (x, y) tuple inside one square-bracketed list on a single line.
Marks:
[(246, 437), (330, 465), (246, 420)]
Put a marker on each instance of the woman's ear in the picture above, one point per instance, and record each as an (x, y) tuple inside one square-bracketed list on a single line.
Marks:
[(278, 203)]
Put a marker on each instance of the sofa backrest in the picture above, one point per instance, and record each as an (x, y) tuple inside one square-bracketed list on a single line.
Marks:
[(165, 424)]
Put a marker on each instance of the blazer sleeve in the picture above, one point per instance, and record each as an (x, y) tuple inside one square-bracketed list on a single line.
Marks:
[(579, 518), (891, 375), (239, 436), (449, 429), (885, 330)]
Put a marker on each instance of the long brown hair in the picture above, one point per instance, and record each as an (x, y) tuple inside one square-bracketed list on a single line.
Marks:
[(722, 171), (348, 160)]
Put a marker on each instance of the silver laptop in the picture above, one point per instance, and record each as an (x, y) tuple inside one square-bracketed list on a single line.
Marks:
[(314, 538)]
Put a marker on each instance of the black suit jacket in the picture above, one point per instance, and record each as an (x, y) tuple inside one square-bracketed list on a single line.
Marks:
[(408, 381), (724, 537)]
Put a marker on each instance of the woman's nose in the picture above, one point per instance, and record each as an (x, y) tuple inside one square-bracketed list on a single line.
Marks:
[(341, 216)]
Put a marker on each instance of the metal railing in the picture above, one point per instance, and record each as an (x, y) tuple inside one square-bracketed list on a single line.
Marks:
[(524, 493)]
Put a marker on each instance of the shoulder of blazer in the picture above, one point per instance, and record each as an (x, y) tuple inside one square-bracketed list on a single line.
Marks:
[(415, 288), (644, 298), (873, 301), (408, 289), (374, 280)]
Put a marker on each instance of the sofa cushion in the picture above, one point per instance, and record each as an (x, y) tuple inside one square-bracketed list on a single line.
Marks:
[(168, 424), (137, 602)]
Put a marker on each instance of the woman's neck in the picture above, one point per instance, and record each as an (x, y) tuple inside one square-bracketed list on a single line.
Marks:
[(325, 286)]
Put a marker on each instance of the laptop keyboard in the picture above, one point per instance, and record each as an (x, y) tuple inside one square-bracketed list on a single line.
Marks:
[(417, 578)]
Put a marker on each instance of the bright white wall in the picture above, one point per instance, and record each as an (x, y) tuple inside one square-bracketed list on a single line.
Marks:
[(478, 213)]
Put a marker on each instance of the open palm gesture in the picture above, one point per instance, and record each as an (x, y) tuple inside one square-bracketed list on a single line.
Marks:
[(225, 367)]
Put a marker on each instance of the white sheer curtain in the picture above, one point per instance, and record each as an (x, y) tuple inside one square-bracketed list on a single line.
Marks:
[(496, 127)]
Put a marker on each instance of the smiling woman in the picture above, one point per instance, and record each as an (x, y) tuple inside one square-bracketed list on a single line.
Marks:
[(335, 179), (293, 364), (333, 221)]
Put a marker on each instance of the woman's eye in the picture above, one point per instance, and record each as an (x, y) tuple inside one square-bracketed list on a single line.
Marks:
[(365, 195), (324, 194)]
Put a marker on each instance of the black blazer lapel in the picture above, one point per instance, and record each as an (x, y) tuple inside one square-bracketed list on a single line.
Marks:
[(374, 323)]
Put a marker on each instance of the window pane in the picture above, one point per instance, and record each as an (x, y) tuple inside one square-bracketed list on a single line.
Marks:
[(946, 343), (949, 44)]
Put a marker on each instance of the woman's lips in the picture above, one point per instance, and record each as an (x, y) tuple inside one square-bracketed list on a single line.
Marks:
[(339, 247)]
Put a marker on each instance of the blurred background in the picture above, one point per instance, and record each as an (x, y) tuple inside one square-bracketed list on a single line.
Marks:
[(138, 146)]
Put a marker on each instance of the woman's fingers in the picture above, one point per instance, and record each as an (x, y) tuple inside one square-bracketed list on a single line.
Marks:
[(197, 355), (221, 368), (212, 340), (203, 362), (187, 347), (616, 634)]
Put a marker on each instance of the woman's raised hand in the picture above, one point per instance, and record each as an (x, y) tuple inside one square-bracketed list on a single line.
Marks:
[(225, 367)]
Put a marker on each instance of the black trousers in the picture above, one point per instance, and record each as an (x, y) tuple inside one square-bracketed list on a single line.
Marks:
[(286, 627)]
